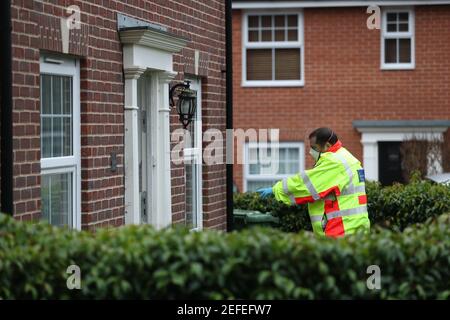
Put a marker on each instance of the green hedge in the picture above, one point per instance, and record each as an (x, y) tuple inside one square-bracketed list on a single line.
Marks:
[(137, 262), (394, 207)]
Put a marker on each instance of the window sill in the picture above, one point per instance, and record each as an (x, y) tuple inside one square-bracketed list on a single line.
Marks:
[(407, 66), (273, 84)]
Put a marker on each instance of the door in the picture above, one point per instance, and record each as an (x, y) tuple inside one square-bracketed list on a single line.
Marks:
[(144, 147), (389, 162), (193, 165)]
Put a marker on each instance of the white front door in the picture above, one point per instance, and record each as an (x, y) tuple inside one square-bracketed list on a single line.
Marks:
[(193, 165)]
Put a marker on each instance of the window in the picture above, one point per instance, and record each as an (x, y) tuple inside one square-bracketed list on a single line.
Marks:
[(193, 164), (258, 172), (60, 141), (397, 39), (273, 49)]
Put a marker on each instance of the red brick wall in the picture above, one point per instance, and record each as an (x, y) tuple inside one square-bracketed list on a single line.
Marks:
[(343, 80), (102, 99)]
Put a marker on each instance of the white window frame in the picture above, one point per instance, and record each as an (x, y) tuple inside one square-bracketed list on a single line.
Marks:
[(63, 66), (194, 155), (258, 177), (271, 45), (398, 35)]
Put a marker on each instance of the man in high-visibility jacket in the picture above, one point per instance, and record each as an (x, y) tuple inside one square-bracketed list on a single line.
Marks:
[(334, 188)]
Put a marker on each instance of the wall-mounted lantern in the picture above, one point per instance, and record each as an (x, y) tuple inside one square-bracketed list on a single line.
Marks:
[(187, 101)]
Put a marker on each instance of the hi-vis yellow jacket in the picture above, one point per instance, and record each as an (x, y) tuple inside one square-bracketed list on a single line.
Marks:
[(334, 190)]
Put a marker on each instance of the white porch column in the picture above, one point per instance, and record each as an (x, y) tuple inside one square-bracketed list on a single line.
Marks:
[(131, 157), (163, 216), (370, 159), (148, 47)]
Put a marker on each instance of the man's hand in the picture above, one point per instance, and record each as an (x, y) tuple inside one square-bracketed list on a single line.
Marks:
[(265, 192)]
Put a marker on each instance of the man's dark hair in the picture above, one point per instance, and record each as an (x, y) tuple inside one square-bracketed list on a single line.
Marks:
[(324, 135)]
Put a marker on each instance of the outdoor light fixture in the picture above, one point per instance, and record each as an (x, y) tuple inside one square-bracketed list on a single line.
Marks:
[(187, 101)]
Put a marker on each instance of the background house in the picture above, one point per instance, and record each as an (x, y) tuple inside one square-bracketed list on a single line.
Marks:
[(299, 65), (91, 119)]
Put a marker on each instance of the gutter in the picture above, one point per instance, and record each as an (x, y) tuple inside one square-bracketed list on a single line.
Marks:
[(229, 111), (332, 4), (6, 172)]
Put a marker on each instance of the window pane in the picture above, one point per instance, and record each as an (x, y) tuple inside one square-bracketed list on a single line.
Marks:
[(280, 21), (282, 153), (282, 167), (252, 186), (291, 158), (266, 21), (392, 17), (253, 155), (46, 137), (56, 95), (286, 163), (56, 195), (294, 168), (254, 169), (67, 136), (258, 161), (405, 50), (292, 35), (392, 27), (253, 36), (268, 169), (253, 160), (390, 49), (287, 64), (45, 198), (279, 35), (259, 64), (67, 95), (56, 116), (266, 35), (294, 159), (46, 87), (292, 20), (293, 154), (57, 136), (191, 195), (403, 16), (253, 21), (403, 27)]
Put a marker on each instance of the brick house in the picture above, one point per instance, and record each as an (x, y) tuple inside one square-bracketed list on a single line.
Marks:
[(91, 120), (299, 65)]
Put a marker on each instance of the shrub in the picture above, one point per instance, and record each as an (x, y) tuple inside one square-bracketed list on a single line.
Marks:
[(394, 207), (137, 262), (291, 218)]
